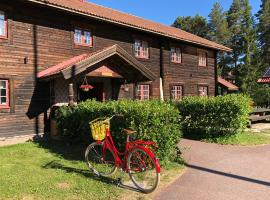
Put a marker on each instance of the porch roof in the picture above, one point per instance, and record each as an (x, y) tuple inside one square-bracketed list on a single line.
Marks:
[(227, 84), (88, 62)]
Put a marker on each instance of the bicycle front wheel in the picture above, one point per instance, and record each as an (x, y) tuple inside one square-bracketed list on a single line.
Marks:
[(101, 161), (143, 169)]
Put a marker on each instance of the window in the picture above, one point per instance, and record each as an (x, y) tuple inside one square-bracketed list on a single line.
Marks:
[(3, 25), (82, 37), (4, 94), (203, 91), (177, 92), (176, 55), (141, 49), (202, 58), (143, 92)]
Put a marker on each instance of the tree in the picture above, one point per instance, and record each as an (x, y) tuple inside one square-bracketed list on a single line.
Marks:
[(243, 43), (197, 25), (219, 32), (264, 31)]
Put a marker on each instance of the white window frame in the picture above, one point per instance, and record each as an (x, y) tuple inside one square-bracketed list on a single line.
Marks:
[(176, 55), (141, 49), (202, 58), (177, 92), (143, 91)]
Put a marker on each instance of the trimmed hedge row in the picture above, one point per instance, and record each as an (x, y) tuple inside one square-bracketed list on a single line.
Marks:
[(154, 120), (214, 116)]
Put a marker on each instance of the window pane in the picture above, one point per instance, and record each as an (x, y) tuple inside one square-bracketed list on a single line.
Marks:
[(2, 24), (87, 37), (78, 36), (3, 92), (137, 48), (3, 85), (3, 101)]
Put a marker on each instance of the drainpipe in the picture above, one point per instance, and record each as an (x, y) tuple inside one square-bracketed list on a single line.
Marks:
[(161, 79), (70, 94), (216, 74)]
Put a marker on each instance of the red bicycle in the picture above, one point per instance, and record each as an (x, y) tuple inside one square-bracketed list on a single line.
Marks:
[(103, 158)]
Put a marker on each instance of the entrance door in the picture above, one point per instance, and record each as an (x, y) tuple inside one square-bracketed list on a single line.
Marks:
[(96, 93)]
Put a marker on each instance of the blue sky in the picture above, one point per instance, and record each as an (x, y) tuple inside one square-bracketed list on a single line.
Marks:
[(166, 11)]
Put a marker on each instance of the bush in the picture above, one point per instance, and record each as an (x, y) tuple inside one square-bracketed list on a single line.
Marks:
[(154, 120), (206, 117)]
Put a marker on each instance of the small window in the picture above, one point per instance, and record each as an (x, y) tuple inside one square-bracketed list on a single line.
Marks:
[(202, 55), (3, 25), (82, 37), (4, 94), (141, 49), (176, 55), (203, 91), (143, 92), (177, 92)]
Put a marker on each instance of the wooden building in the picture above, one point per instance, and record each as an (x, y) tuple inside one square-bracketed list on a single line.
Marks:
[(50, 49), (226, 87)]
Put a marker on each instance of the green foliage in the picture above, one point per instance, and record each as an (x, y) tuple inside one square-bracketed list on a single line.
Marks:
[(155, 121), (264, 30), (196, 25), (206, 117), (261, 96), (220, 33)]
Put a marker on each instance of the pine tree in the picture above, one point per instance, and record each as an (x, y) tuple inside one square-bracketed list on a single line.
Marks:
[(243, 43), (264, 31), (219, 32), (197, 25)]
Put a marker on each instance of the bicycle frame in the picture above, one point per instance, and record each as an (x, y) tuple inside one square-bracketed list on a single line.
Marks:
[(130, 145)]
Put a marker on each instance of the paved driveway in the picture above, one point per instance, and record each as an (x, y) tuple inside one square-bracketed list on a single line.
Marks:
[(217, 172)]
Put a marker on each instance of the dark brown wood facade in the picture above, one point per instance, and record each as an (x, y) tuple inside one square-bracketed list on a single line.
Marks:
[(40, 37)]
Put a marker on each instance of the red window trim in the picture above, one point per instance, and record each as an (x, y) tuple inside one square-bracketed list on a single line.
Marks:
[(141, 52), (82, 37), (172, 58), (140, 88), (206, 55), (6, 27), (182, 91), (7, 95)]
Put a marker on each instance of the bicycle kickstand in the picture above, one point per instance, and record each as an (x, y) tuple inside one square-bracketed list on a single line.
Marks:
[(119, 180)]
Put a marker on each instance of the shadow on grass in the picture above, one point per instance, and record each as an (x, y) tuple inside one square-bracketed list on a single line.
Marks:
[(64, 150), (88, 174)]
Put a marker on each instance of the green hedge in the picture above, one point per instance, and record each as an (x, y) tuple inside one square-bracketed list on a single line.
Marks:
[(154, 120), (204, 117)]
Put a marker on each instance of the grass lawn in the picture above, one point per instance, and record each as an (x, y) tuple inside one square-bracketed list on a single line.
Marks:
[(246, 138), (52, 170)]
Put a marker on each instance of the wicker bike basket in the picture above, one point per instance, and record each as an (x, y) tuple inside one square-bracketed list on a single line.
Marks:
[(99, 127)]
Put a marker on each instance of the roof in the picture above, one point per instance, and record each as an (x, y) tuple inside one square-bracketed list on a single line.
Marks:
[(81, 63), (266, 77), (227, 84), (110, 15)]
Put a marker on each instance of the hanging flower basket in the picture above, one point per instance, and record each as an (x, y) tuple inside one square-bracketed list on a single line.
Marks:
[(85, 86)]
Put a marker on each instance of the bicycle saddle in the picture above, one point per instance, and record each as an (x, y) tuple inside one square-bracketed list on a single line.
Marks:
[(129, 132)]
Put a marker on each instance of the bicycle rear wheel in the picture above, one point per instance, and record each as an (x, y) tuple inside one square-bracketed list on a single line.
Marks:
[(143, 169), (101, 162)]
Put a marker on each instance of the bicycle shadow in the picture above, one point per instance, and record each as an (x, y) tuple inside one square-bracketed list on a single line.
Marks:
[(88, 174)]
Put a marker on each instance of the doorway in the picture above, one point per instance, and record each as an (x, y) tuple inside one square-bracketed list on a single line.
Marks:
[(96, 93)]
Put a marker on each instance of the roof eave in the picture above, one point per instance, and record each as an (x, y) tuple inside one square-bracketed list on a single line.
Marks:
[(225, 49)]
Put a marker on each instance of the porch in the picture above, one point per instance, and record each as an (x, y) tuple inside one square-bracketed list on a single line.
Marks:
[(109, 74)]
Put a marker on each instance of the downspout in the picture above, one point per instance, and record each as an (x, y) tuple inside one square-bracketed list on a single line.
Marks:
[(161, 79), (216, 74)]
